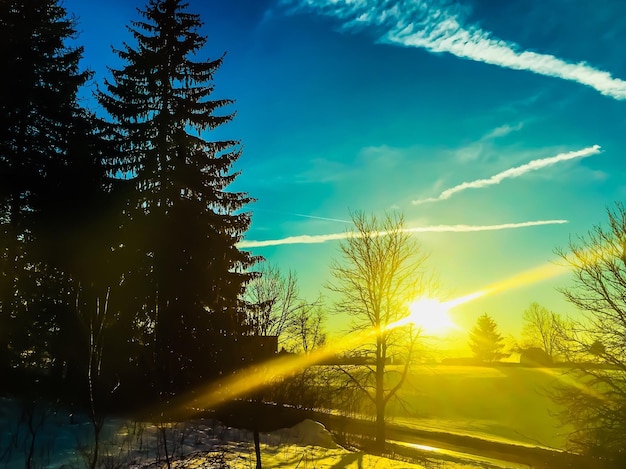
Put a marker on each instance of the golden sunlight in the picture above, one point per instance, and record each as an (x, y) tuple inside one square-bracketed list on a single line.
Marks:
[(431, 316)]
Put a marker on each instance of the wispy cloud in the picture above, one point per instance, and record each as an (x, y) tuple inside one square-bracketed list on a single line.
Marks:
[(511, 173), (317, 239), (474, 150), (437, 26), (502, 131)]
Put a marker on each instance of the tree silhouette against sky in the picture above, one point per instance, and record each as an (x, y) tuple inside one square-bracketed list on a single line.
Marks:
[(379, 272), (485, 340), (45, 163), (179, 225)]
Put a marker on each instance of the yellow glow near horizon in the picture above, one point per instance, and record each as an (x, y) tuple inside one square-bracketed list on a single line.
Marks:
[(431, 316)]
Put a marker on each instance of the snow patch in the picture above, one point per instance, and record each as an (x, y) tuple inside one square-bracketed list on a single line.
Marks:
[(306, 433)]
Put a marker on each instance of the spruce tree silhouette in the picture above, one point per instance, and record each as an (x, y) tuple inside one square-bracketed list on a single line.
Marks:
[(183, 273), (39, 116), (485, 340)]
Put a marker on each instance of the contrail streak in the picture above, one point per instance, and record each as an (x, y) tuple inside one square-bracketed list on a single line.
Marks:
[(316, 239), (512, 173), (302, 215)]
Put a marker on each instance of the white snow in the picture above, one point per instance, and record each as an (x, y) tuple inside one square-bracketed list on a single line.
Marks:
[(65, 441)]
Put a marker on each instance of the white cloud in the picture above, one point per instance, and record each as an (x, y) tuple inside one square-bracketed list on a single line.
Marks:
[(469, 153), (502, 131), (316, 239), (437, 27), (511, 173)]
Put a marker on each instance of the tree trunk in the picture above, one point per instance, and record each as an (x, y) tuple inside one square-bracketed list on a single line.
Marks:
[(96, 446), (257, 447), (380, 395)]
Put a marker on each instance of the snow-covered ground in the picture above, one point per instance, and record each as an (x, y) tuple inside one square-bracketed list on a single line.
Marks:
[(65, 441), (307, 445)]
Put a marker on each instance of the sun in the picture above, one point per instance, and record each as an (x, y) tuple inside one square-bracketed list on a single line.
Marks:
[(431, 316)]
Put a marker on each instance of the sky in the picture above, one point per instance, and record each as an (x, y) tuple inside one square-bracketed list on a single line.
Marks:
[(496, 128)]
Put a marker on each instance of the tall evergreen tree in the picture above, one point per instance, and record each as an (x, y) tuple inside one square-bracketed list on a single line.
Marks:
[(39, 122), (184, 272), (485, 340)]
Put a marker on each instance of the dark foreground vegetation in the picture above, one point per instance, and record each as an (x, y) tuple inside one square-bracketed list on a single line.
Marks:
[(122, 287), (120, 279)]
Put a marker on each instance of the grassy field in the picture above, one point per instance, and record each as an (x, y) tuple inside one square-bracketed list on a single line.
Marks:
[(508, 403)]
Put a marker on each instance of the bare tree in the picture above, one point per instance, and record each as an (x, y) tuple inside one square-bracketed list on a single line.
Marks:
[(94, 320), (272, 300), (307, 330), (276, 309), (542, 328), (381, 270), (596, 343)]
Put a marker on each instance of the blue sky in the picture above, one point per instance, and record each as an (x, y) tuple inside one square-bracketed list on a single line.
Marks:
[(464, 115)]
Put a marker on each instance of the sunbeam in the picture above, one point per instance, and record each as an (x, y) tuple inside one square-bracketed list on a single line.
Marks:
[(258, 376), (538, 274)]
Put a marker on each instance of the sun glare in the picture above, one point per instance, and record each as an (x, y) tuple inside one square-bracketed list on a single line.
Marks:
[(431, 316)]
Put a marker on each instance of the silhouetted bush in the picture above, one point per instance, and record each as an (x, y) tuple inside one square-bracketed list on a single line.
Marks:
[(534, 356)]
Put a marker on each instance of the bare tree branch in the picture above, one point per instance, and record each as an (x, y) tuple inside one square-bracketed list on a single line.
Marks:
[(595, 344), (381, 270)]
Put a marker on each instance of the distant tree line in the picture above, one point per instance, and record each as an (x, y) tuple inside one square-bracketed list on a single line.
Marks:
[(119, 266)]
